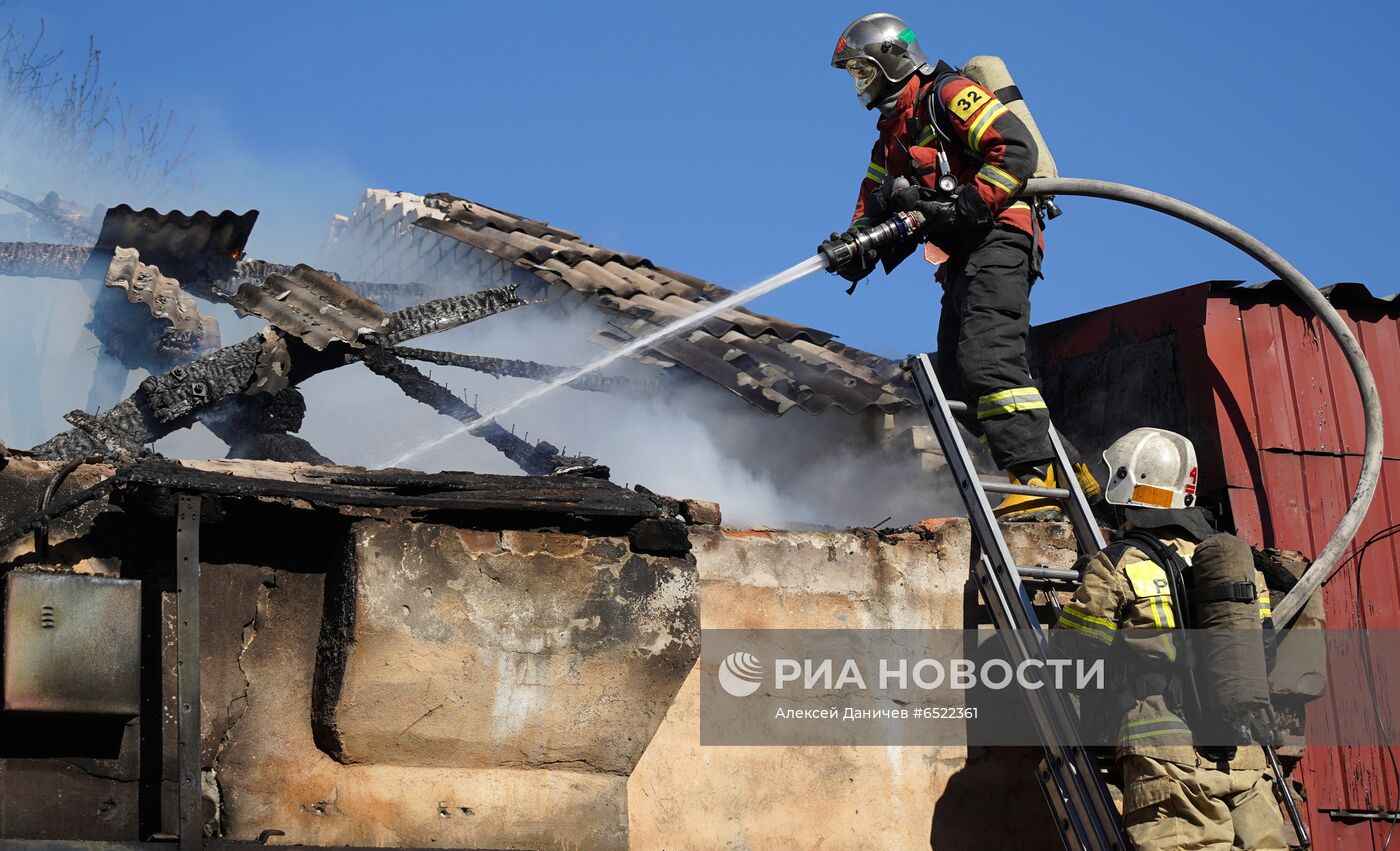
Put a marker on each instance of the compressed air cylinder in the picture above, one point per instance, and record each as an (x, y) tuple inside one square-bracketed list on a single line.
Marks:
[(991, 72), (1232, 672)]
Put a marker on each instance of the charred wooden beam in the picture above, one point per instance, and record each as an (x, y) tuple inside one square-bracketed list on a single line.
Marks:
[(444, 314), (522, 369), (43, 259), (513, 502), (54, 260), (217, 382), (114, 444), (540, 459), (70, 230)]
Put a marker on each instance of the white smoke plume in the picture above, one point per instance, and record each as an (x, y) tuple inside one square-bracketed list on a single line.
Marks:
[(693, 440)]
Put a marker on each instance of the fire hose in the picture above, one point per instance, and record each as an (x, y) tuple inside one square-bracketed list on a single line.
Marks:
[(903, 225)]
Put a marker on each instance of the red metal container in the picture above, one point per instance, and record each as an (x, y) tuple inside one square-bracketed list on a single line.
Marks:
[(1265, 394)]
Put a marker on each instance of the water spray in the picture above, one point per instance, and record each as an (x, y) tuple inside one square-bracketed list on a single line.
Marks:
[(829, 256)]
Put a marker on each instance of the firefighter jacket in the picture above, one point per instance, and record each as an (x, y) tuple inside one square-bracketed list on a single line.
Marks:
[(1125, 604), (992, 151)]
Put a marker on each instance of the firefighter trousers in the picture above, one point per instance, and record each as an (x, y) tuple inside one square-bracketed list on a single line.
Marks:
[(982, 346), (1171, 807)]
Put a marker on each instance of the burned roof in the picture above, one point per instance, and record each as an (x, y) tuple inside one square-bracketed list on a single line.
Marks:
[(1347, 293), (771, 363), (544, 497), (245, 492)]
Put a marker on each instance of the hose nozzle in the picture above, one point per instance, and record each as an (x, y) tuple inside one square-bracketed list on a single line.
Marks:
[(850, 245)]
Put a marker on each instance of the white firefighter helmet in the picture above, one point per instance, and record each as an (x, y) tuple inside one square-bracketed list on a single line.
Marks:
[(1151, 468), (878, 50)]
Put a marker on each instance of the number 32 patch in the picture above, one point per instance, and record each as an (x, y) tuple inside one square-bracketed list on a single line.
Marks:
[(968, 101)]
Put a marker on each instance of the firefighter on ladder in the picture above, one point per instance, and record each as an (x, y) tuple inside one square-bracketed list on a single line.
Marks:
[(987, 242), (1177, 792)]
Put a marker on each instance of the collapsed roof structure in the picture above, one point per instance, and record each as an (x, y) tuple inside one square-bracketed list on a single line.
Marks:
[(434, 262)]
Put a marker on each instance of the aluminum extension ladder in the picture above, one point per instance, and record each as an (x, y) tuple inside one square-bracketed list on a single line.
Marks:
[(1069, 773)]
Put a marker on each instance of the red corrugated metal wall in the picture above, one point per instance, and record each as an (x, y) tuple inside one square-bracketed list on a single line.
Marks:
[(1289, 419)]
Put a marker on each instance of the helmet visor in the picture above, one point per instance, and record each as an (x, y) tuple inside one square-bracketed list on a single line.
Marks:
[(864, 72)]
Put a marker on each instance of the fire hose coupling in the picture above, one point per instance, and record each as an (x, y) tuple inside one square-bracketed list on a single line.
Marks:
[(842, 247)]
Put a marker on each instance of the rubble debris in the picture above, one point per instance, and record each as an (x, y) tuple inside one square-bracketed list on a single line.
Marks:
[(215, 388), (196, 249), (701, 512), (150, 257), (772, 364), (659, 538), (55, 260)]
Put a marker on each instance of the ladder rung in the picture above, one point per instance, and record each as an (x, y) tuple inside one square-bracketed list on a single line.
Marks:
[(1048, 573), (957, 407), (1028, 490)]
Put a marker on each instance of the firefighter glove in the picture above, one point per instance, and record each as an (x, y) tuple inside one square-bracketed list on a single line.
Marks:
[(853, 264), (966, 214), (897, 195)]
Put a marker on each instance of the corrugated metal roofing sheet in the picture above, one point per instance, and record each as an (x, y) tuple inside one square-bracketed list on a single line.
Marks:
[(176, 234), (145, 285), (194, 249), (313, 306), (769, 362)]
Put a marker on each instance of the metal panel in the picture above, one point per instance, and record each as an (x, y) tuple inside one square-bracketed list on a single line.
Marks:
[(145, 285), (312, 306), (72, 643), (1291, 432), (187, 672), (175, 234)]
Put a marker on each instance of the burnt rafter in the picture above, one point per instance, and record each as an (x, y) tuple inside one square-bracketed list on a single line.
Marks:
[(444, 314), (510, 368), (50, 212), (538, 459), (43, 260), (73, 262), (217, 385)]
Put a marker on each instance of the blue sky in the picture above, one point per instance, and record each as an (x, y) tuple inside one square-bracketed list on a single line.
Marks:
[(714, 138)]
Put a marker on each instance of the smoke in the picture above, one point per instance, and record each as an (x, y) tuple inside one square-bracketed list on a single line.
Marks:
[(687, 439)]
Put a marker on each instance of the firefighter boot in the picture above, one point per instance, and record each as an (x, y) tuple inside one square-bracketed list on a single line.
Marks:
[(1027, 507)]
